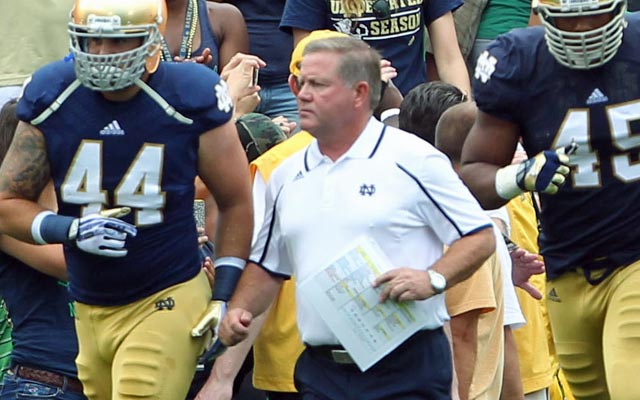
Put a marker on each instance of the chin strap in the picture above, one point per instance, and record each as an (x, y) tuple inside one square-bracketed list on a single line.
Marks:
[(163, 103), (56, 103)]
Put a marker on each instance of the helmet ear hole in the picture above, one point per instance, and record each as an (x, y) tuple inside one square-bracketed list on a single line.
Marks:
[(153, 59)]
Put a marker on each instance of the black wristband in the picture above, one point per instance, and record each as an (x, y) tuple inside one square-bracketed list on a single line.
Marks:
[(225, 282)]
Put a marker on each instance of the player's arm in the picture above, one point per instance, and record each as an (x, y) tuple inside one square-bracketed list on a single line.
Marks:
[(23, 175), (446, 52), (47, 259), (486, 169), (223, 167), (489, 146)]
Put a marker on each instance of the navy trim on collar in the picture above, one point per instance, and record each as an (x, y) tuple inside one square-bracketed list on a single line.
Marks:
[(306, 161), (375, 148)]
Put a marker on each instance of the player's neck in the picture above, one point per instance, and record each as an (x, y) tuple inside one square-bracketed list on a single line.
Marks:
[(176, 7), (125, 94)]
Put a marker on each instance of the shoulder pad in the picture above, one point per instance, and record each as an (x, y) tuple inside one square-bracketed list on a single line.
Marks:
[(43, 88)]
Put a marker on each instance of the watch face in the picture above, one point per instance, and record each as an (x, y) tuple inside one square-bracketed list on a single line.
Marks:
[(438, 282)]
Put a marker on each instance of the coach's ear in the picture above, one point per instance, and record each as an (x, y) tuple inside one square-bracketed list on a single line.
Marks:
[(361, 94), (294, 85)]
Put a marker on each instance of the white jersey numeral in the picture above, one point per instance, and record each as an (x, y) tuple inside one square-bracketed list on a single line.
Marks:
[(586, 161), (140, 188)]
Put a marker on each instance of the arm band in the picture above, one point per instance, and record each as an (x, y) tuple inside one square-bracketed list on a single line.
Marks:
[(228, 271), (506, 182), (389, 112), (48, 227)]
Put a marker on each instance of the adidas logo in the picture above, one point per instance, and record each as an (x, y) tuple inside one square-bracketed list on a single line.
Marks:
[(553, 296), (597, 97), (113, 129), (298, 176)]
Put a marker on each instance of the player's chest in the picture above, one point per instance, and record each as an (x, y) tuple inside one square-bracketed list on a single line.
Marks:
[(595, 108)]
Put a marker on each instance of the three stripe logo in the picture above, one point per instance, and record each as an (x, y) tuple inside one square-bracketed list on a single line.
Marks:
[(112, 129)]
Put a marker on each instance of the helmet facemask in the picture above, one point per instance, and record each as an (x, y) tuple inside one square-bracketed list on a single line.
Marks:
[(587, 49), (109, 72)]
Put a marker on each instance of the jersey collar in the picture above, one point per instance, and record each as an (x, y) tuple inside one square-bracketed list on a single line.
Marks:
[(365, 146)]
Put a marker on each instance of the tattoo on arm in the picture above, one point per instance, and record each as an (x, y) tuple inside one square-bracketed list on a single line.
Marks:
[(25, 170)]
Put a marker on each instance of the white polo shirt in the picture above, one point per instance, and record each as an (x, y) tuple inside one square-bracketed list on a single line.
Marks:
[(391, 186)]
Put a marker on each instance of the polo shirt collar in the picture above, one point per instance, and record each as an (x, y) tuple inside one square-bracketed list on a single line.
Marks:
[(365, 146)]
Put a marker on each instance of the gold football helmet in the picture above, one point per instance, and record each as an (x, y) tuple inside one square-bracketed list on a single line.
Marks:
[(588, 49), (116, 19)]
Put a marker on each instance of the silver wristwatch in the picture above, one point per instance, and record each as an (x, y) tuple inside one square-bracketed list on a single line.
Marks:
[(438, 281)]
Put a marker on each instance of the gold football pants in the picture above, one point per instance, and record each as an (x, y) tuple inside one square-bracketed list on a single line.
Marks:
[(596, 329), (142, 350)]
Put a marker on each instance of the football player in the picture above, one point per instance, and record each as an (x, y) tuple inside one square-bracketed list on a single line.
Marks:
[(570, 91), (118, 131)]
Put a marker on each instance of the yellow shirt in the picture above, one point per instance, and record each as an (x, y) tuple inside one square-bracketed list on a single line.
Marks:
[(278, 345), (533, 347), (536, 352)]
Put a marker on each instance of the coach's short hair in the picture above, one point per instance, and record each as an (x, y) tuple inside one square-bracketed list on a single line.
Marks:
[(358, 62)]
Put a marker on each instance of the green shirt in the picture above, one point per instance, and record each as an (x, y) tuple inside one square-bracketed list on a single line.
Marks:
[(501, 16)]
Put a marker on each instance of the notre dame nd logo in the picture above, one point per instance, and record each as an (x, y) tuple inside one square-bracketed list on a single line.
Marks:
[(367, 190), (485, 66), (165, 304)]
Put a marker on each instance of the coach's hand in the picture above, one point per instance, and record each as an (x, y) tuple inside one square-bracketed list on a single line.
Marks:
[(546, 172), (103, 234), (235, 326), (404, 284)]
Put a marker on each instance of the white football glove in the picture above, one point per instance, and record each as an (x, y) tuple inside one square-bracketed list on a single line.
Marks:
[(103, 234), (545, 172), (210, 322)]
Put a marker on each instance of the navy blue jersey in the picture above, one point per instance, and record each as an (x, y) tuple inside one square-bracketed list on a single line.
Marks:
[(105, 154), (399, 38), (266, 41), (43, 331), (596, 215)]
